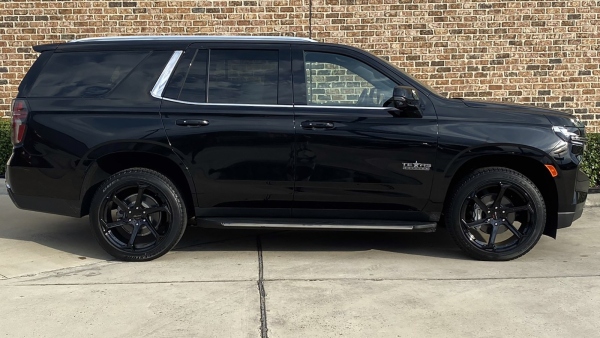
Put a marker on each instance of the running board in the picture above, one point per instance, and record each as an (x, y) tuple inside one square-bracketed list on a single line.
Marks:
[(307, 223)]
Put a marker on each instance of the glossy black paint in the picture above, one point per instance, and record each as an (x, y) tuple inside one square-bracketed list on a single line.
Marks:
[(242, 158), (353, 168), (286, 159)]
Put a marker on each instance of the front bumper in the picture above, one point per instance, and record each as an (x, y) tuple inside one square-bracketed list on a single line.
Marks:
[(582, 185)]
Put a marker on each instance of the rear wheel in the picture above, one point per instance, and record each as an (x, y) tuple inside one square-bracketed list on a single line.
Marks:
[(138, 215), (496, 214)]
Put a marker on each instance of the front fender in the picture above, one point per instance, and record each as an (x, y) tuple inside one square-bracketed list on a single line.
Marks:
[(446, 172)]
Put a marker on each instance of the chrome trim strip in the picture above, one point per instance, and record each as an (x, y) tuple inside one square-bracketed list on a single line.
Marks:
[(327, 226), (160, 84), (199, 38), (342, 107), (267, 105), (229, 104)]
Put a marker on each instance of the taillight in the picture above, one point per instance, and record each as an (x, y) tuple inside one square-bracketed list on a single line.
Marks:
[(19, 121)]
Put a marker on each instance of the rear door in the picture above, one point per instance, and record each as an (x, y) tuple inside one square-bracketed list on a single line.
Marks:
[(356, 158), (227, 112)]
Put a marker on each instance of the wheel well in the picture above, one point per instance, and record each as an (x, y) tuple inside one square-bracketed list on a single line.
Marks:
[(531, 168), (113, 163)]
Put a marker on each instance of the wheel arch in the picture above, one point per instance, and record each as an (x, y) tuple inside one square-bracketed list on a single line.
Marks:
[(530, 163), (101, 164)]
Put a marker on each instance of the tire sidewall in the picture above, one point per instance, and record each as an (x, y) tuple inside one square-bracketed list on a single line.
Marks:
[(476, 182), (178, 214)]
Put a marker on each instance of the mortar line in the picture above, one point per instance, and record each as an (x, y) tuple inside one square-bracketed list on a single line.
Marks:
[(261, 291)]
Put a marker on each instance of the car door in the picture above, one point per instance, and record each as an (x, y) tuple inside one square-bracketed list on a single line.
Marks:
[(227, 113), (356, 158)]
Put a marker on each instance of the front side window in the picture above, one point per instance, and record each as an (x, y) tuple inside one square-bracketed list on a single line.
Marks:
[(338, 80)]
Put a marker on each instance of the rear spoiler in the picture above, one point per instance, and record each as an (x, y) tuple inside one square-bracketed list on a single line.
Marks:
[(45, 48)]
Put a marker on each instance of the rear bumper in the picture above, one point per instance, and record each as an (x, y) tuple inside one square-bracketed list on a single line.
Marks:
[(49, 205), (45, 204)]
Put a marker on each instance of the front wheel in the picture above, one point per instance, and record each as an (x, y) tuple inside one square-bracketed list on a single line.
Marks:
[(496, 214), (138, 215)]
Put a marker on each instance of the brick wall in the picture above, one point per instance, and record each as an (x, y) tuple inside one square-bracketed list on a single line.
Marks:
[(534, 52)]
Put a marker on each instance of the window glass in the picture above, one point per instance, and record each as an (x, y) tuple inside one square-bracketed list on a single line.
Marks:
[(243, 76), (173, 88), (337, 80), (85, 74), (194, 88)]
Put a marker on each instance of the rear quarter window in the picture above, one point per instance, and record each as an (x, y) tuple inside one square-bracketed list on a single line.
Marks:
[(85, 74)]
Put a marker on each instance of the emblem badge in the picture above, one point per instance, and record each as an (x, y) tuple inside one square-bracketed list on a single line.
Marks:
[(416, 166)]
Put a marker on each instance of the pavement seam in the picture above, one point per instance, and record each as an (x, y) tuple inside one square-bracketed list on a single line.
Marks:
[(421, 279), (106, 263), (136, 283), (306, 280), (261, 291)]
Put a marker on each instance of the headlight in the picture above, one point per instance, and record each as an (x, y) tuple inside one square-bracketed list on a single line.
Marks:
[(569, 134)]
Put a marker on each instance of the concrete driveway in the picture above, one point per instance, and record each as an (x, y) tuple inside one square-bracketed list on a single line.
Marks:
[(55, 281)]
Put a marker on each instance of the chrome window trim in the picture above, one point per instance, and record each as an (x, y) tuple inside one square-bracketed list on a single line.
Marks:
[(268, 105), (342, 107), (160, 84), (199, 38), (228, 104)]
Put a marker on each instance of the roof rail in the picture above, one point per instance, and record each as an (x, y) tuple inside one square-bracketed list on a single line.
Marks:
[(194, 38)]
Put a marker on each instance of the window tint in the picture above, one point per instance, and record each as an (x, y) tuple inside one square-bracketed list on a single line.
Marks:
[(337, 80), (173, 88), (194, 88), (84, 74), (243, 76)]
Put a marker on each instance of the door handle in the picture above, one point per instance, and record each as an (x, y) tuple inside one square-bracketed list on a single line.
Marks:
[(317, 125), (192, 123)]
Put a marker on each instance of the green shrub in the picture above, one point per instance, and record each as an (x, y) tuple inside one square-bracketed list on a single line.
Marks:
[(5, 145), (591, 159)]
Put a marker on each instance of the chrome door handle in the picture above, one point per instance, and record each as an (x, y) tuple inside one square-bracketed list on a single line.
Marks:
[(192, 123), (317, 125)]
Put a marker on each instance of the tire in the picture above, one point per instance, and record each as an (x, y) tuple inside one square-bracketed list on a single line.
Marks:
[(513, 223), (142, 202)]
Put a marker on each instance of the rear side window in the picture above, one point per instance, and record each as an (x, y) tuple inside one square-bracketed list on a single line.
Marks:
[(194, 88), (226, 76), (243, 76), (85, 74)]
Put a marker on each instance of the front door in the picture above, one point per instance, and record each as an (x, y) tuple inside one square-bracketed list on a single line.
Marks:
[(228, 114), (356, 158)]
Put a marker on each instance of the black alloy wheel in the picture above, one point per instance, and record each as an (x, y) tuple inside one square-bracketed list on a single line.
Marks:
[(496, 214), (138, 215)]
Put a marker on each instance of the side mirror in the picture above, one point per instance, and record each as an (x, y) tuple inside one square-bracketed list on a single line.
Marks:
[(406, 100)]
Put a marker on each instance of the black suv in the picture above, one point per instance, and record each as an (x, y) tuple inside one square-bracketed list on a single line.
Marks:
[(150, 134)]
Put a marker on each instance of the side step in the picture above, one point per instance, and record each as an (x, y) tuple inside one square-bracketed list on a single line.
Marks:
[(309, 223)]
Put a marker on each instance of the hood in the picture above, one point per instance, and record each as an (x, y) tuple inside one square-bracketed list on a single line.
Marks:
[(554, 116)]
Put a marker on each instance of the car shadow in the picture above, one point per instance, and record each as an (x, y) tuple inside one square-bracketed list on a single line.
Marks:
[(438, 244), (75, 236)]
